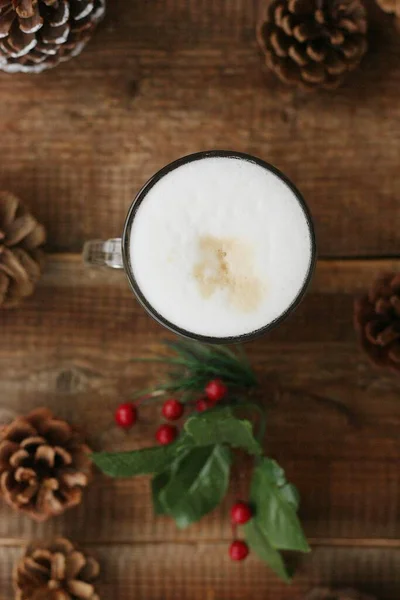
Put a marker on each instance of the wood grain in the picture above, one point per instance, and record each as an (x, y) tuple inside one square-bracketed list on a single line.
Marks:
[(199, 571), (333, 423), (159, 80), (338, 508), (168, 77)]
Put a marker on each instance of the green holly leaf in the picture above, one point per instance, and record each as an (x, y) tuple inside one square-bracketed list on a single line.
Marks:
[(277, 474), (259, 543), (194, 485), (138, 462), (276, 503), (275, 525), (220, 426), (157, 484)]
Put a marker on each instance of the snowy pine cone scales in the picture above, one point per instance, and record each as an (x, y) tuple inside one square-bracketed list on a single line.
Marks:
[(38, 34)]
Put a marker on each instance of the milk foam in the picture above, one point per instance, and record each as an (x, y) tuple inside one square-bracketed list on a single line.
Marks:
[(220, 247)]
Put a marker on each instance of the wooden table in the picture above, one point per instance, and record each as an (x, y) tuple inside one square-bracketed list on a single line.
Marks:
[(161, 79)]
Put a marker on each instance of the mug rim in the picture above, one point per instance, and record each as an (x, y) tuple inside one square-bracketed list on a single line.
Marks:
[(139, 198)]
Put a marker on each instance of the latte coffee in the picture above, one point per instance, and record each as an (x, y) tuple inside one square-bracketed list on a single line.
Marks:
[(219, 246)]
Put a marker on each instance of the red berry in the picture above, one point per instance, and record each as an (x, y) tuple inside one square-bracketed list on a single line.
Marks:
[(216, 390), (241, 513), (238, 550), (203, 404), (126, 415), (166, 434), (172, 410)]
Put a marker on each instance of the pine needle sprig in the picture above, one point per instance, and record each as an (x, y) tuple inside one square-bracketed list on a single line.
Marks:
[(192, 365)]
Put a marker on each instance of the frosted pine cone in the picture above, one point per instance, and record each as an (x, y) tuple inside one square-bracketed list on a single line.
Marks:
[(38, 34), (55, 571), (313, 43), (44, 465)]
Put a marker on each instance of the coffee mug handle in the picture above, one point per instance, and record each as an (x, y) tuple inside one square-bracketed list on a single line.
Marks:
[(98, 253)]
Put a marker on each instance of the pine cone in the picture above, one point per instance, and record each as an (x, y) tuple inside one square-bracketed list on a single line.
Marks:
[(43, 465), (55, 571), (329, 594), (390, 6), (38, 34), (20, 258), (377, 320), (313, 43)]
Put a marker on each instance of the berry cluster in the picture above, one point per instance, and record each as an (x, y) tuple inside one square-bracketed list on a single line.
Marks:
[(126, 415)]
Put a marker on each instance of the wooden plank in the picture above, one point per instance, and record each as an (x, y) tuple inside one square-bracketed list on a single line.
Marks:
[(337, 508), (159, 80), (333, 420), (202, 570), (165, 78), (77, 336)]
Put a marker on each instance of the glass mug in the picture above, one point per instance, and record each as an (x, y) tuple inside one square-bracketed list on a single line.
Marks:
[(247, 195)]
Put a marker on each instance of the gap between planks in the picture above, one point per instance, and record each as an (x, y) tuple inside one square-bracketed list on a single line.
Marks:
[(314, 542)]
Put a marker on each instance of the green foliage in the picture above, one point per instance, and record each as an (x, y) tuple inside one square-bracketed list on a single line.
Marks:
[(192, 365), (220, 426), (191, 475), (194, 484), (275, 525), (215, 427), (257, 540), (137, 462)]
